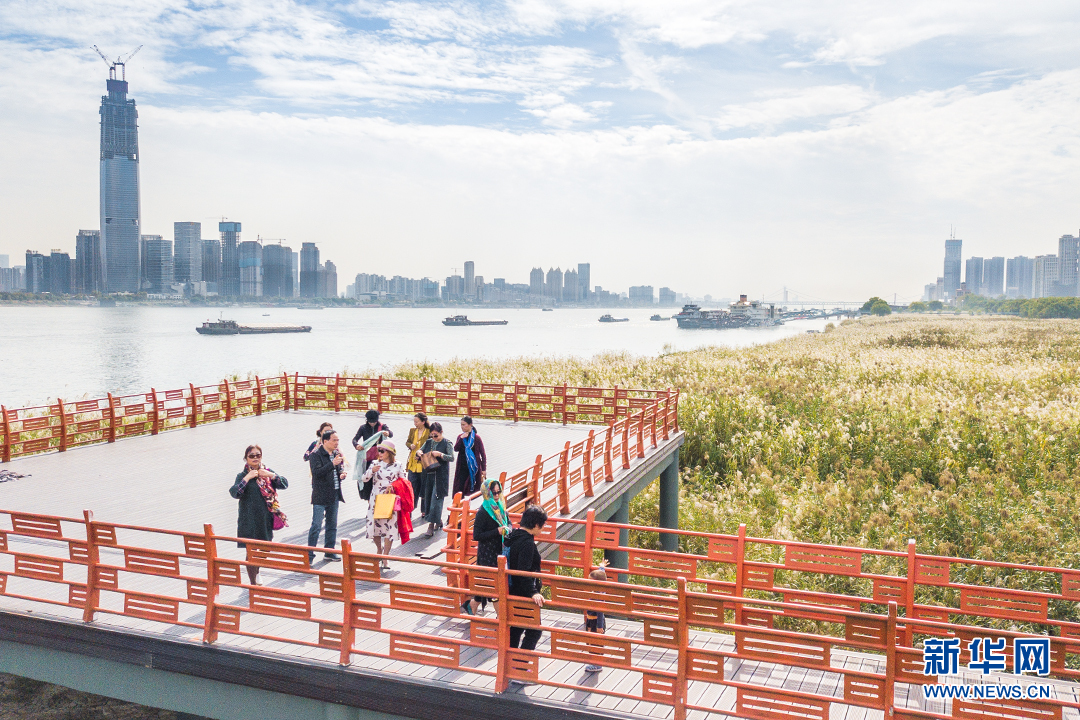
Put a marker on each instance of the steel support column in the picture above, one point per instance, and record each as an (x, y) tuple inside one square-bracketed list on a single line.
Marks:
[(619, 558), (669, 503)]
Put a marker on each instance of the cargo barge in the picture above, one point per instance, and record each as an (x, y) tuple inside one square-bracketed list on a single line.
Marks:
[(609, 318), (231, 327), (463, 320)]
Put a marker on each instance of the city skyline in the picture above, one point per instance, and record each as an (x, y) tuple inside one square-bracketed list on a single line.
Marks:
[(715, 149)]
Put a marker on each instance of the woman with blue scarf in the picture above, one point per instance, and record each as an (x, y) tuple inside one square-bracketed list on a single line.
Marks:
[(471, 460), (491, 525)]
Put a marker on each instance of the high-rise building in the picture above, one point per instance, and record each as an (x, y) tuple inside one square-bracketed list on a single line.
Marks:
[(119, 186), (584, 279), (11, 279), (230, 258), (187, 252), (294, 268), (667, 297), (1068, 258), (1019, 276), (554, 284), (88, 277), (1045, 276), (454, 288), (994, 277), (470, 279), (276, 272), (328, 280), (34, 281), (952, 266), (309, 270), (249, 253), (159, 263), (570, 286), (4, 262), (211, 264), (973, 275), (536, 281), (641, 295), (57, 273)]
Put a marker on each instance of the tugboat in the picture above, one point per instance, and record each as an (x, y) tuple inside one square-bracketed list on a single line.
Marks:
[(231, 327), (608, 318), (463, 320)]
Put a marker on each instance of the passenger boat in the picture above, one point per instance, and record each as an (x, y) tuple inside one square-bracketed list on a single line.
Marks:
[(609, 318), (463, 320), (231, 327), (744, 313)]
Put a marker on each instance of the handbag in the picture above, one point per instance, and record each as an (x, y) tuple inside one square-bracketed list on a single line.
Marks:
[(384, 506)]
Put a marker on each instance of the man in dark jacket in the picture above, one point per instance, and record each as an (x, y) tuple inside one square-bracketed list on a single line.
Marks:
[(327, 472), (522, 555)]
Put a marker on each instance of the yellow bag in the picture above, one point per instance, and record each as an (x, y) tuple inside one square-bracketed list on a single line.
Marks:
[(384, 506)]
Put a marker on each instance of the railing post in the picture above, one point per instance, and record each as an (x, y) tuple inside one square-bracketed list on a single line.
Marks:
[(676, 418), (534, 483), (502, 636), (667, 412), (154, 415), (609, 440), (890, 660), (564, 403), (348, 596), (740, 559), (586, 552), (586, 471), (337, 384), (228, 400), (296, 391), (258, 396), (654, 409), (209, 619), (63, 424), (194, 402), (909, 592), (92, 560), (682, 634), (465, 535), (641, 433), (626, 443), (285, 397), (423, 396), (5, 449), (564, 479), (468, 402), (112, 419)]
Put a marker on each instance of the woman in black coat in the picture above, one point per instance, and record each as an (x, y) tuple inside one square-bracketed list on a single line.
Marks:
[(256, 488), (435, 480), (469, 473), (490, 526)]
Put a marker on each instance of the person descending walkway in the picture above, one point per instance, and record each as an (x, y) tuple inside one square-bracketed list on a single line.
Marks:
[(418, 435), (318, 440), (522, 555), (381, 474), (471, 461), (436, 484), (490, 528), (370, 427), (259, 514), (327, 471)]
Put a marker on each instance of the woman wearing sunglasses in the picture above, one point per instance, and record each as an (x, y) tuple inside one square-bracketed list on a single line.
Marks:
[(260, 514), (381, 474), (491, 525)]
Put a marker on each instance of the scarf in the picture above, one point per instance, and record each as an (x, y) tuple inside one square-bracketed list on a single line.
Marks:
[(266, 489), (495, 508), (470, 458)]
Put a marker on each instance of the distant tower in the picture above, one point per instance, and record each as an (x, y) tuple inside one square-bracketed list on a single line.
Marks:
[(952, 266), (584, 278), (120, 217), (470, 278), (230, 258)]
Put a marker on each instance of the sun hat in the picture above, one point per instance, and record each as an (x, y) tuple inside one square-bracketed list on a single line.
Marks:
[(388, 446)]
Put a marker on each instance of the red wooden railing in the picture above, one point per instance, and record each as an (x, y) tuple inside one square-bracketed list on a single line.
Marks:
[(676, 658), (63, 425)]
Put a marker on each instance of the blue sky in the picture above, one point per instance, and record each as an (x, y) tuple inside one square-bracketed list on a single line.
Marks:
[(714, 147)]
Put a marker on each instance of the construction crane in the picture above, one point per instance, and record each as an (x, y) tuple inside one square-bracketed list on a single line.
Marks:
[(120, 61)]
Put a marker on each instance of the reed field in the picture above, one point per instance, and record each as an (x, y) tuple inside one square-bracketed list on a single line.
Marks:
[(960, 432)]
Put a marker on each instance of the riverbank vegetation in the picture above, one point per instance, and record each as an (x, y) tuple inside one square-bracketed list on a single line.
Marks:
[(1048, 307), (960, 432)]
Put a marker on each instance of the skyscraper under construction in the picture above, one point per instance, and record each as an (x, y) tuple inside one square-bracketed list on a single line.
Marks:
[(120, 218)]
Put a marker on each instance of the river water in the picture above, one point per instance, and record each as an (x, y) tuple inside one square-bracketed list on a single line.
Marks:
[(74, 352)]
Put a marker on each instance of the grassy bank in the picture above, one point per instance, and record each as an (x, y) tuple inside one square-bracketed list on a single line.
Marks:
[(959, 432)]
